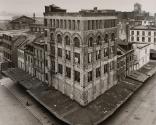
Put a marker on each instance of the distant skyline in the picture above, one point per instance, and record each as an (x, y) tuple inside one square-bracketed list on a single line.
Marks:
[(28, 7)]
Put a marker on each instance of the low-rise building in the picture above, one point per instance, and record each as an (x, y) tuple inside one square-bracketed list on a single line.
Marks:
[(143, 34), (142, 53), (22, 22), (9, 44), (32, 57)]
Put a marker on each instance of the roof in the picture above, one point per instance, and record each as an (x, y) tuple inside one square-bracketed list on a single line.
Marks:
[(17, 19), (35, 38), (140, 46), (55, 10), (143, 28), (14, 32)]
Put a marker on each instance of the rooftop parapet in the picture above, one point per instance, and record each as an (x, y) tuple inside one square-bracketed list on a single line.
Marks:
[(53, 10)]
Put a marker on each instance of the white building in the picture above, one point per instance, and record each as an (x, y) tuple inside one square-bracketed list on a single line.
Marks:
[(143, 34), (142, 54), (143, 39), (147, 22)]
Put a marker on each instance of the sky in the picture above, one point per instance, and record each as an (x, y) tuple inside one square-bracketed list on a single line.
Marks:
[(28, 7)]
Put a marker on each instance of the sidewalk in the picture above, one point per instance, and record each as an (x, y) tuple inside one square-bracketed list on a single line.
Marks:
[(145, 72), (71, 112)]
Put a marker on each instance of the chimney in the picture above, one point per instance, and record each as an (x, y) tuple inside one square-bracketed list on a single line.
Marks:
[(34, 17), (95, 9)]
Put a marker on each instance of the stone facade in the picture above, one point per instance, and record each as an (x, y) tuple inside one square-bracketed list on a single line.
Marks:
[(82, 53)]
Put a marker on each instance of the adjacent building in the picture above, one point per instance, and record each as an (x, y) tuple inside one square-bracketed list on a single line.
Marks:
[(22, 22), (9, 44), (143, 34), (142, 53), (32, 57)]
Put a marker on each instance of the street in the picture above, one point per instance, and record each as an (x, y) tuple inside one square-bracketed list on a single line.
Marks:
[(140, 109), (34, 107), (12, 112)]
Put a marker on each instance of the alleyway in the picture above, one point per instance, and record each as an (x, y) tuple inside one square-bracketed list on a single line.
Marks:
[(140, 109)]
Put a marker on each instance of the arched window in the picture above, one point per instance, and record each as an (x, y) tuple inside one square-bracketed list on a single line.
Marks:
[(76, 42), (67, 40), (90, 42), (59, 38), (106, 38), (99, 40), (51, 36), (113, 37)]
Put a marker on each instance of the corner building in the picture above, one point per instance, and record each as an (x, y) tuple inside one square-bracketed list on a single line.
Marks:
[(81, 52)]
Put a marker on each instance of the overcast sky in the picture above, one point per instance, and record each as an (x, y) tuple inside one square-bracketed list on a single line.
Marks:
[(29, 6)]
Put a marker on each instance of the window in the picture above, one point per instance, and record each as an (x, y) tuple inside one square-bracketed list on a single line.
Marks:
[(69, 24), (50, 22), (149, 39), (45, 22), (89, 57), (143, 33), (149, 33), (113, 37), (77, 57), (73, 22), (46, 62), (60, 69), (59, 38), (59, 52), (76, 42), (98, 54), (53, 66), (57, 23), (154, 33), (138, 39), (45, 33), (112, 49), (99, 40), (132, 38), (67, 40), (68, 72), (98, 72), (154, 40), (61, 24), (52, 37), (138, 32), (65, 25), (132, 32), (105, 68), (46, 77), (90, 42), (77, 76), (90, 76), (88, 24), (78, 25), (143, 39), (105, 52), (68, 55), (106, 38)]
